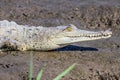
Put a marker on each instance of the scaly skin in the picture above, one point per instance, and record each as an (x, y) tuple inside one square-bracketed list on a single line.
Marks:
[(23, 37)]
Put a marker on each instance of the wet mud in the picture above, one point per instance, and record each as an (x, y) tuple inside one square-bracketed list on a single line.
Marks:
[(96, 60)]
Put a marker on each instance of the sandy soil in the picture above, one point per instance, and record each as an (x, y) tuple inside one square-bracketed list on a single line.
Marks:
[(96, 60)]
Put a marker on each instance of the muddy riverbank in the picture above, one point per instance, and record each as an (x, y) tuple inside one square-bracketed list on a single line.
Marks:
[(96, 60)]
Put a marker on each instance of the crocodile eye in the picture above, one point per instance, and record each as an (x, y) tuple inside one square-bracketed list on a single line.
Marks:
[(68, 29)]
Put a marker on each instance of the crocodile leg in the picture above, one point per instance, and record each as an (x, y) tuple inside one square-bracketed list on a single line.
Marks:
[(12, 43)]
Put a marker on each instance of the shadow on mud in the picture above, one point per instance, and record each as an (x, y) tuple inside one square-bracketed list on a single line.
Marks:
[(76, 48), (66, 48)]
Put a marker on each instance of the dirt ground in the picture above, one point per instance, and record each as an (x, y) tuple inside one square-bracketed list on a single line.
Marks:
[(96, 60)]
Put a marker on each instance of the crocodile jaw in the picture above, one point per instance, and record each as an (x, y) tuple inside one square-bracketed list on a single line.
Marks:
[(83, 35)]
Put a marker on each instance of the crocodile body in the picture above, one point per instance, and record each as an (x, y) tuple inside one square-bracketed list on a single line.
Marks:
[(23, 37)]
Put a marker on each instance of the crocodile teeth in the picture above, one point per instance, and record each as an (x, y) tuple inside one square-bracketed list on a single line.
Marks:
[(101, 34)]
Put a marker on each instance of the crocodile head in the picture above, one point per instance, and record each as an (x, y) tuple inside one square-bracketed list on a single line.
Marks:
[(71, 34)]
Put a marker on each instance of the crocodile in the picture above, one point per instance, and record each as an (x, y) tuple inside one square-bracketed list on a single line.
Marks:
[(24, 37)]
